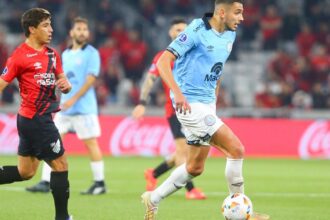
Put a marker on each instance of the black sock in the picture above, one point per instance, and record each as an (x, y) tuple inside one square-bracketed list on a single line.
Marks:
[(161, 169), (59, 184), (100, 183), (189, 186), (9, 174)]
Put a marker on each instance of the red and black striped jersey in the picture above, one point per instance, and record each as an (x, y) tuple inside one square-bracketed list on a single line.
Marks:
[(169, 110), (36, 74)]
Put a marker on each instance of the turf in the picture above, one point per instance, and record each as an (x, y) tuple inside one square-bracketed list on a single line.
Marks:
[(286, 189)]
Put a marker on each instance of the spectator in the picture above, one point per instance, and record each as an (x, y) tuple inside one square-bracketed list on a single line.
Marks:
[(319, 97), (251, 20), (119, 33), (133, 53), (271, 24), (291, 23), (305, 40)]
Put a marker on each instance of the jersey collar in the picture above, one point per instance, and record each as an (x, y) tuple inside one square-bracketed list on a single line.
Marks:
[(82, 48), (206, 18)]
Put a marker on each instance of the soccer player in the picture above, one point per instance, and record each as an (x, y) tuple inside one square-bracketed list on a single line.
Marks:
[(179, 157), (81, 64), (200, 53), (38, 70)]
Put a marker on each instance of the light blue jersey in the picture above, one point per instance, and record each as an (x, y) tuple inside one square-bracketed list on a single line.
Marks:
[(77, 65), (201, 54)]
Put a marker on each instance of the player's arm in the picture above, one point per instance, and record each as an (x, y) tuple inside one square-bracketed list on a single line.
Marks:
[(90, 80), (63, 83), (3, 84), (165, 70), (148, 83)]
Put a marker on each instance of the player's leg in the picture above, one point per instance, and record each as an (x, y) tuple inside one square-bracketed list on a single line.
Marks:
[(43, 185), (59, 185), (151, 174), (177, 179), (180, 158), (87, 128), (25, 170), (50, 148), (226, 141), (63, 124), (97, 166), (181, 150)]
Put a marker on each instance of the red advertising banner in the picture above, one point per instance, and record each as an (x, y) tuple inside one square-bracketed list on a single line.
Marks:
[(151, 136)]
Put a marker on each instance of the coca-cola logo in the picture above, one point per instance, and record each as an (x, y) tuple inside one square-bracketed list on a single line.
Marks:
[(315, 142), (8, 134), (136, 137)]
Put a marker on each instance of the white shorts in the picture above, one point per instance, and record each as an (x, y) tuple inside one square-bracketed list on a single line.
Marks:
[(85, 126), (200, 125)]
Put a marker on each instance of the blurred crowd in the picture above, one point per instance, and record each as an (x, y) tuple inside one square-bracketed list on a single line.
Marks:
[(295, 32)]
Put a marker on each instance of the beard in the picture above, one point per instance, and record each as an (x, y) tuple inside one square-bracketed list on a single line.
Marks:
[(80, 41)]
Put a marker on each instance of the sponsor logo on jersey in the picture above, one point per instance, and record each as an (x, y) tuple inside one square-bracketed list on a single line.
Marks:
[(215, 73), (183, 37), (199, 27), (210, 48), (31, 55), (45, 79), (37, 65)]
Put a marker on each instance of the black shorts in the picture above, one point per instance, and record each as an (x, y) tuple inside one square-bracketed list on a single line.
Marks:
[(175, 126), (39, 137)]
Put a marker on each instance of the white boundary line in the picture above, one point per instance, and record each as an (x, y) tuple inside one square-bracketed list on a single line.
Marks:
[(181, 192)]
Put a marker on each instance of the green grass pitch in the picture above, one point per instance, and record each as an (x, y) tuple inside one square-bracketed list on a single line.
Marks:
[(283, 188)]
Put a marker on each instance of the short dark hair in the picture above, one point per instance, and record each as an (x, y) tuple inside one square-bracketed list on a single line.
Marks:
[(178, 20), (32, 18), (227, 1), (79, 20)]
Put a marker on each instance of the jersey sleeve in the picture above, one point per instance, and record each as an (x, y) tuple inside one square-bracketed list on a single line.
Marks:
[(184, 42), (58, 64), (11, 70), (94, 63), (153, 68)]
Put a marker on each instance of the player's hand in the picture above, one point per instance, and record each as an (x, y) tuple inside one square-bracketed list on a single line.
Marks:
[(64, 85), (138, 111), (181, 104), (68, 104)]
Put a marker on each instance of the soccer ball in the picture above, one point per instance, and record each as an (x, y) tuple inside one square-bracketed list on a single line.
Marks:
[(237, 206)]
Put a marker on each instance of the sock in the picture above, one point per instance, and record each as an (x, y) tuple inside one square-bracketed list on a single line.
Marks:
[(234, 175), (9, 174), (98, 170), (161, 169), (59, 184), (189, 186), (174, 182), (45, 174)]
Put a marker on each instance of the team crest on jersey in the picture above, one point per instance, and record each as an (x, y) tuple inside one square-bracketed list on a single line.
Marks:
[(5, 71), (229, 46), (183, 37), (37, 65)]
